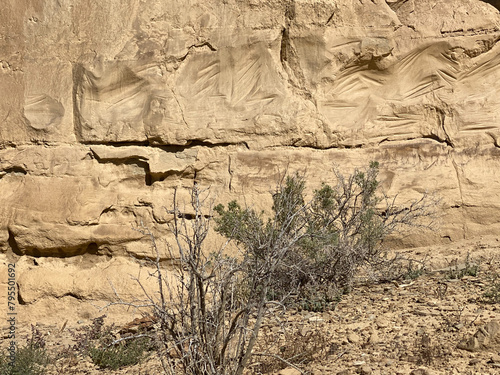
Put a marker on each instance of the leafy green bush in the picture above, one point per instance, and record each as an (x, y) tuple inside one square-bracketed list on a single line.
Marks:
[(98, 341), (414, 270), (457, 271), (492, 294), (121, 355), (30, 359), (85, 336), (322, 241)]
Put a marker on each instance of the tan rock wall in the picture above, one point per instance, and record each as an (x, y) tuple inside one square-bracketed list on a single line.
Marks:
[(108, 105)]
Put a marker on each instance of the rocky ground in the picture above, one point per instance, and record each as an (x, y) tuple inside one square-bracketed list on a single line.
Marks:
[(438, 322)]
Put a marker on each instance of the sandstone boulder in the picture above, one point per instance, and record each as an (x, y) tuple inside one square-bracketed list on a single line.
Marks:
[(486, 338)]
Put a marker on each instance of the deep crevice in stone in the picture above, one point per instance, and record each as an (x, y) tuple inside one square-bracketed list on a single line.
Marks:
[(118, 143), (330, 18), (20, 300), (90, 248), (188, 216), (437, 139), (201, 143), (13, 244), (168, 148), (13, 170), (71, 294), (284, 45)]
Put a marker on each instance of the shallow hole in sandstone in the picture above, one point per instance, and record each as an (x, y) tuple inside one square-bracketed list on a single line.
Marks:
[(92, 248)]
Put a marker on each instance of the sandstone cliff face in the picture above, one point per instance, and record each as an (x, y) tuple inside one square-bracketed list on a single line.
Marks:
[(108, 105)]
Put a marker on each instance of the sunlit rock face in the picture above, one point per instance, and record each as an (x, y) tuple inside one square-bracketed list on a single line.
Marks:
[(107, 106)]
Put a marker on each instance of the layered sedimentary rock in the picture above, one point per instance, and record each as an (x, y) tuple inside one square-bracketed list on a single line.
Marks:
[(108, 106)]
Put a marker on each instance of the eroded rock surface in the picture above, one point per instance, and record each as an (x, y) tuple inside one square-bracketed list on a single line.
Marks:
[(108, 106)]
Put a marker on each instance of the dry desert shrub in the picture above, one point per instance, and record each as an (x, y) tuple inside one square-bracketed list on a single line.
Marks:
[(304, 253), (323, 241), (428, 350)]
